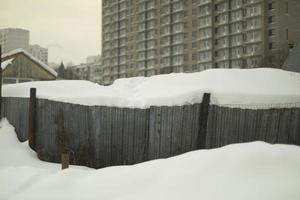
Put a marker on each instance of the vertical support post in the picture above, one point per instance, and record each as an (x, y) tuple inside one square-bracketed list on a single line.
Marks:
[(65, 160), (0, 81), (203, 118), (32, 118)]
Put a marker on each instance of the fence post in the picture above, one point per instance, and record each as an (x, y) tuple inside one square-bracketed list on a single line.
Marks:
[(65, 160), (203, 118), (32, 118)]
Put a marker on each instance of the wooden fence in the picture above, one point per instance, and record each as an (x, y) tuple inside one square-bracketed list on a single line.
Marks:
[(16, 111), (99, 136)]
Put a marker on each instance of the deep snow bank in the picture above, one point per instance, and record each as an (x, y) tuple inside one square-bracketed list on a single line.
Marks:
[(241, 171), (246, 88)]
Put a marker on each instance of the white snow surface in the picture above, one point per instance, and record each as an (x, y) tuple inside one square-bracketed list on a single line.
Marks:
[(245, 88), (241, 171), (20, 50), (5, 63)]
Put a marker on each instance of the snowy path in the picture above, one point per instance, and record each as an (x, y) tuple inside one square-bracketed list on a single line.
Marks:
[(242, 171)]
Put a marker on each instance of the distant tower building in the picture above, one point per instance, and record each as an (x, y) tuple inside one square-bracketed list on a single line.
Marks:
[(14, 38), (39, 52), (144, 38), (93, 59)]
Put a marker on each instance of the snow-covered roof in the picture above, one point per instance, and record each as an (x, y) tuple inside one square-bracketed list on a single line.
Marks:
[(292, 63), (17, 51), (5, 63), (243, 88)]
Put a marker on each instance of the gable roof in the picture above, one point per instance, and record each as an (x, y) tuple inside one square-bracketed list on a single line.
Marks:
[(292, 62), (13, 53)]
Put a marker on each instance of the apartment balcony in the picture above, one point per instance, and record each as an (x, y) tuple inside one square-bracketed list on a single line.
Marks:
[(222, 58), (220, 47), (252, 15), (252, 2), (222, 35), (163, 3), (252, 28), (201, 15), (204, 3), (253, 41), (204, 26), (203, 61)]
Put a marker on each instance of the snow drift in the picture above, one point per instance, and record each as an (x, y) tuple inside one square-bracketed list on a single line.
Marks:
[(245, 88), (241, 171)]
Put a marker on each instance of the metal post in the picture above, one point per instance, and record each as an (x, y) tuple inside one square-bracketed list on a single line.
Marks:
[(32, 118), (65, 160)]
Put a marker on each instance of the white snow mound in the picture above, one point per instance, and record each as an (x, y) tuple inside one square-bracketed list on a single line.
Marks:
[(245, 88), (241, 171)]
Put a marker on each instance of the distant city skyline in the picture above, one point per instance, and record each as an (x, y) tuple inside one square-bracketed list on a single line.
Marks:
[(71, 30)]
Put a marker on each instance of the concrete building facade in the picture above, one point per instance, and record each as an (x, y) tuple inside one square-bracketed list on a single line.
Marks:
[(148, 37), (14, 38), (39, 52)]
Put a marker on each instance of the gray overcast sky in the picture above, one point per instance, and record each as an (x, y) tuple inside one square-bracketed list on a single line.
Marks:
[(71, 29)]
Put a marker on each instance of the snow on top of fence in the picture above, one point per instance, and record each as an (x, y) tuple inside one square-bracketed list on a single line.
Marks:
[(243, 88)]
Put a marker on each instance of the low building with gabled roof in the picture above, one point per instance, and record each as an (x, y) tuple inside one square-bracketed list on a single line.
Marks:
[(20, 66)]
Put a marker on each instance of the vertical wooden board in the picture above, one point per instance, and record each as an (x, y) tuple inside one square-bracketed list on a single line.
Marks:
[(235, 137), (256, 126), (264, 125), (92, 137), (52, 141), (140, 135), (274, 121), (250, 123), (182, 140), (210, 127), (165, 139), (223, 133), (154, 132), (117, 124), (219, 127), (284, 126), (294, 136), (177, 130), (98, 137), (106, 141), (189, 145), (146, 129), (186, 136), (241, 126), (128, 136), (196, 136), (38, 122)]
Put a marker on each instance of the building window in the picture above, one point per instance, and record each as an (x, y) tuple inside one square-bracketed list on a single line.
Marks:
[(271, 46), (271, 32), (271, 19), (287, 7), (270, 6)]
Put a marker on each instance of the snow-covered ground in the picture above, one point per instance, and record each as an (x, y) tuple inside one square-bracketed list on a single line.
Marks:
[(245, 88), (241, 171)]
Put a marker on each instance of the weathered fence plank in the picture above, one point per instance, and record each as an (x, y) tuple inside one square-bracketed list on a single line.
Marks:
[(16, 111)]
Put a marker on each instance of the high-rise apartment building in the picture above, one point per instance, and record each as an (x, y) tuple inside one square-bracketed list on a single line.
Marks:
[(14, 38), (39, 52), (148, 37)]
